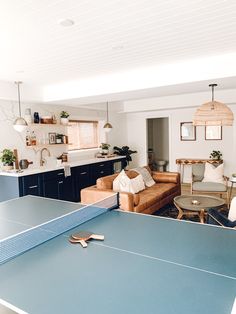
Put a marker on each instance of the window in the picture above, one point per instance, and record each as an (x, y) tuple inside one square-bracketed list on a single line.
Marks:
[(83, 134)]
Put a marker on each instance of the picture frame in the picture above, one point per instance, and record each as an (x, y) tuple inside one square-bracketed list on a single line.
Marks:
[(213, 132), (187, 131), (52, 138)]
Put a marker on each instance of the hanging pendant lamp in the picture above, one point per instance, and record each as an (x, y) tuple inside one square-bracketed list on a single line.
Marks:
[(107, 126), (213, 113), (19, 124)]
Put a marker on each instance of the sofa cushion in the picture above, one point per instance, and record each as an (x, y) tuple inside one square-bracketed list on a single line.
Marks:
[(123, 183), (209, 186), (154, 194)]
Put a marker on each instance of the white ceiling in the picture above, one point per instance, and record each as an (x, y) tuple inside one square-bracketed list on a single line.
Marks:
[(109, 36)]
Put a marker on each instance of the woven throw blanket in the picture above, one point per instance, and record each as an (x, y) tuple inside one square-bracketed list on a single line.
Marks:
[(147, 178)]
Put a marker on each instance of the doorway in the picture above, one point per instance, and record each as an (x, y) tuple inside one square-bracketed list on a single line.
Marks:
[(158, 143)]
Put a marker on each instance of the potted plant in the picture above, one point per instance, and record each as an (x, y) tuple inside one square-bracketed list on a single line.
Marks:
[(105, 148), (7, 158), (124, 151), (216, 154), (64, 117)]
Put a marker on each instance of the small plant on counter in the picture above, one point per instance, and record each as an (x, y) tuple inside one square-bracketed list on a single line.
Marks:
[(216, 154), (64, 114), (104, 146), (7, 157)]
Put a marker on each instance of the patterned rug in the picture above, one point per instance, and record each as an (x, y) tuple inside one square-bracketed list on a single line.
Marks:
[(171, 211)]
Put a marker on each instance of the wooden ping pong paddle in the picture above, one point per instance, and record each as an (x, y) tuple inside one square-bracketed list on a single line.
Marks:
[(83, 236), (74, 241)]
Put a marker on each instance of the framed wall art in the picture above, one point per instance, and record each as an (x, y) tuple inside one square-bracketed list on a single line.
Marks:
[(187, 131), (213, 132), (52, 138)]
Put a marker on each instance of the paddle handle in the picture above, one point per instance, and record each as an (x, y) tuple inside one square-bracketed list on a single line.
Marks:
[(83, 243), (97, 237)]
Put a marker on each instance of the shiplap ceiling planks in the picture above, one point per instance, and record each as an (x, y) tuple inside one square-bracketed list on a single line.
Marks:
[(108, 36)]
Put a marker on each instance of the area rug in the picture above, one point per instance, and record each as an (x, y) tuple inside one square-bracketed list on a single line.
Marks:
[(171, 211)]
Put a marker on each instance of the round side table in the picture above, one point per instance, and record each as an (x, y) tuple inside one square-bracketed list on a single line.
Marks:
[(196, 204)]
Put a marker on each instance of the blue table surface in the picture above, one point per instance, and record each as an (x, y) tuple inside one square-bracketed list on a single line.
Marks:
[(145, 265), (23, 213)]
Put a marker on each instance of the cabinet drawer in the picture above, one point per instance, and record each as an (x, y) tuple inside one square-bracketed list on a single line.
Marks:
[(100, 170), (31, 185), (54, 174), (82, 171), (101, 166)]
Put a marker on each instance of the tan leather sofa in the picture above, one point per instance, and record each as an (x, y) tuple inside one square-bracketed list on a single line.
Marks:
[(148, 201)]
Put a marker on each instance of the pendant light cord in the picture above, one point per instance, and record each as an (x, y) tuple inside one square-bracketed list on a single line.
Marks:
[(107, 112), (18, 89), (212, 95)]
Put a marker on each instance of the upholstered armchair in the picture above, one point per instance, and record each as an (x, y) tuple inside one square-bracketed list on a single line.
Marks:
[(201, 186)]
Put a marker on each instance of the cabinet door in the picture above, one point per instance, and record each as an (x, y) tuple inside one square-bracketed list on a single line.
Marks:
[(66, 189), (55, 185), (50, 188), (30, 185), (100, 169), (82, 180)]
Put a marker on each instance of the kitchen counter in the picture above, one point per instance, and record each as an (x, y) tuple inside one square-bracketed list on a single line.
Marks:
[(31, 170)]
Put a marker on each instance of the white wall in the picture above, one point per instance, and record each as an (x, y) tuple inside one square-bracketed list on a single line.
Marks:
[(136, 129), (11, 139)]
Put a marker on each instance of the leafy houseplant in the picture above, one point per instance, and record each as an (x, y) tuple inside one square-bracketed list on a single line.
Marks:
[(64, 115), (7, 158), (216, 154), (124, 151), (105, 148)]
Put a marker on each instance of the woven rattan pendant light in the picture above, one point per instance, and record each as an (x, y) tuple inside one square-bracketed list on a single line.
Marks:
[(213, 113)]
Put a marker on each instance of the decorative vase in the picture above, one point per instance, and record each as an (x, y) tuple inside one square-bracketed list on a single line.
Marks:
[(64, 121)]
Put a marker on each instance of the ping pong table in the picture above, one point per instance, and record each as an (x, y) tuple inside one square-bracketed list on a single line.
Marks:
[(146, 264)]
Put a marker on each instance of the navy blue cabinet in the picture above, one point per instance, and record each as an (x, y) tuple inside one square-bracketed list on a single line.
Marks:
[(13, 187), (30, 185), (54, 184), (81, 175), (100, 169)]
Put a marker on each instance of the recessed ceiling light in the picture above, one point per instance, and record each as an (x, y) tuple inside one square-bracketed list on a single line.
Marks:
[(66, 22)]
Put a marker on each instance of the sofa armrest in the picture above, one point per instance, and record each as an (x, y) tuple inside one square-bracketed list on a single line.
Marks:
[(128, 201), (92, 195), (166, 177)]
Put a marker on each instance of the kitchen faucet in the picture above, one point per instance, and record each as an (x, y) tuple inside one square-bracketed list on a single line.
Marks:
[(42, 160)]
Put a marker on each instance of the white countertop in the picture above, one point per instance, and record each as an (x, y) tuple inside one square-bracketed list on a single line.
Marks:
[(32, 170)]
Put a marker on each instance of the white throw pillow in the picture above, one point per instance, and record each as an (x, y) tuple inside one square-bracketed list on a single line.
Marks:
[(123, 183), (232, 210), (213, 174)]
